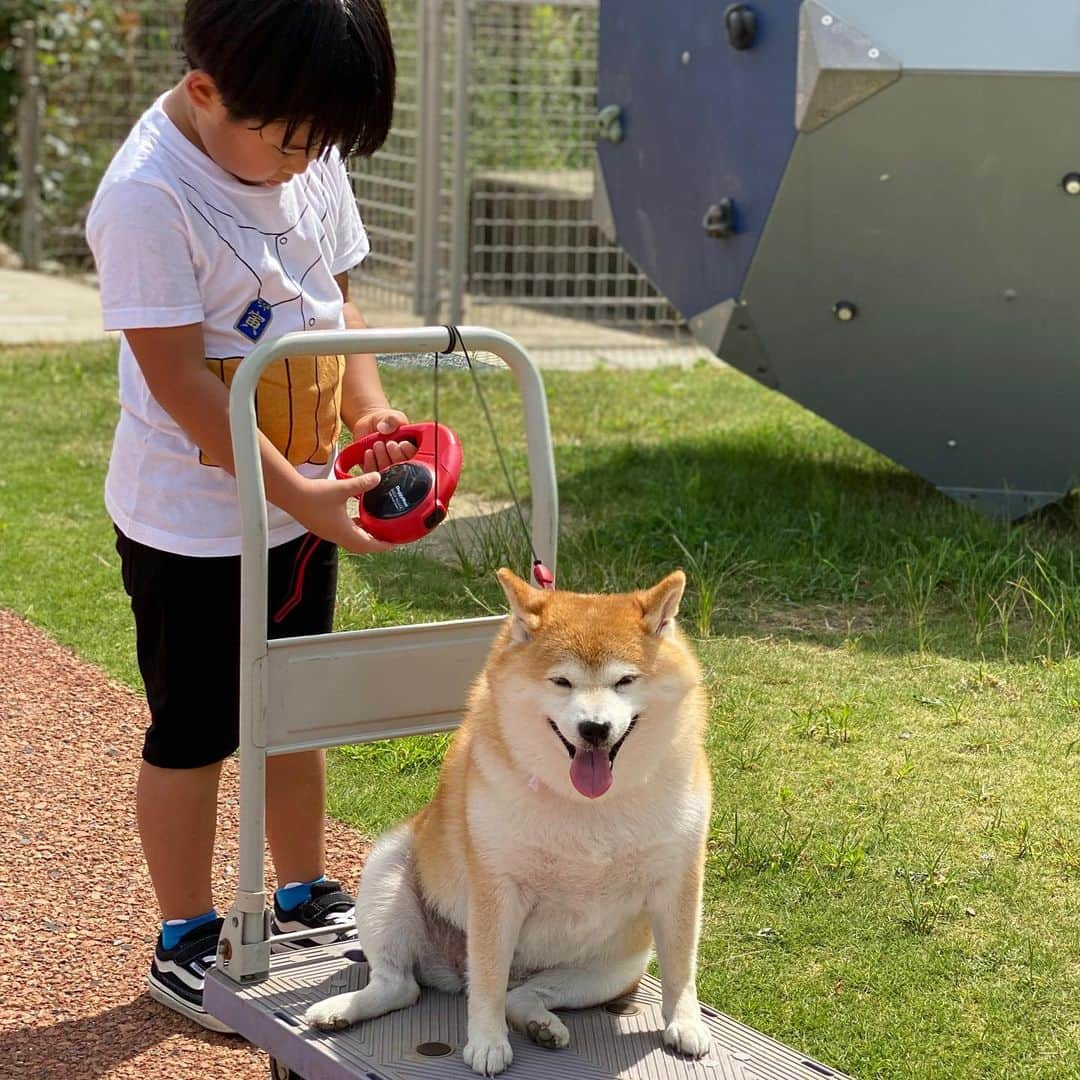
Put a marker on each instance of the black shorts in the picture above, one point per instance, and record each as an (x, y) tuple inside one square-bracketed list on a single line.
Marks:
[(187, 633)]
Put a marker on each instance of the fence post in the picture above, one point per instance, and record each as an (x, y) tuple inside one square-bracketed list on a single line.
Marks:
[(28, 119), (429, 159), (459, 240)]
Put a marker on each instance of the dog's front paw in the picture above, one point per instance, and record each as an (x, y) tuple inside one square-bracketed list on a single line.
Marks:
[(689, 1037), (333, 1014), (488, 1056)]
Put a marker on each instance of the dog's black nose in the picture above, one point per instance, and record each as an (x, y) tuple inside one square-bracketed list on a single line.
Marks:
[(594, 733)]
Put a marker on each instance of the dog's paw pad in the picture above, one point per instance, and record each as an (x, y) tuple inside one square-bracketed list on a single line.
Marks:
[(550, 1034), (488, 1057), (688, 1037), (318, 1016)]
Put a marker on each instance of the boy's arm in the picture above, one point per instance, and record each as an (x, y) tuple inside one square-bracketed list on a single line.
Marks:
[(173, 363)]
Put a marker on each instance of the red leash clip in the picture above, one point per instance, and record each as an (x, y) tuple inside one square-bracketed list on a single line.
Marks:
[(544, 578)]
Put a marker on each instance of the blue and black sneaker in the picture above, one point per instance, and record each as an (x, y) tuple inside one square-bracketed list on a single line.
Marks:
[(178, 975), (326, 910)]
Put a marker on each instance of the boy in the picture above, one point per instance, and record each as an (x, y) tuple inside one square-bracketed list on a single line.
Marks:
[(227, 215)]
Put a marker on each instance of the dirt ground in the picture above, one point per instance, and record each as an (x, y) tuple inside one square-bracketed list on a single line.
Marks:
[(77, 913)]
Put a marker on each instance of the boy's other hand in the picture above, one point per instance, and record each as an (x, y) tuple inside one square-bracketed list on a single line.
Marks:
[(321, 508), (385, 421)]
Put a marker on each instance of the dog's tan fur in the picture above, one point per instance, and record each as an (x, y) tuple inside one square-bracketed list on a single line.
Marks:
[(516, 876)]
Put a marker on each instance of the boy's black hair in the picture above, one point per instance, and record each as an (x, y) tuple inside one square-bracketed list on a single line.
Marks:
[(327, 62)]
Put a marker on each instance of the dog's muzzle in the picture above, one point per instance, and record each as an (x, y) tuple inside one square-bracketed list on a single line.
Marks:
[(591, 765)]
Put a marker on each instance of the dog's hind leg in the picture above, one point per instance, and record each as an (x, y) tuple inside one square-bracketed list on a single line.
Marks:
[(529, 1006), (391, 930)]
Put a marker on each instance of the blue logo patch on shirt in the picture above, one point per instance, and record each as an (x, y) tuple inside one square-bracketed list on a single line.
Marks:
[(255, 319)]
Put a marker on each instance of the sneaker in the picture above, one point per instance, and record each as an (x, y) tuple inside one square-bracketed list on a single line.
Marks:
[(327, 909), (178, 975)]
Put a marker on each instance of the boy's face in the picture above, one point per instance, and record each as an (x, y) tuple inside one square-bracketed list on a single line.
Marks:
[(252, 153)]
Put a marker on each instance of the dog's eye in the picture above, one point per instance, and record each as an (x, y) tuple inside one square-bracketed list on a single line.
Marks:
[(558, 680), (626, 680)]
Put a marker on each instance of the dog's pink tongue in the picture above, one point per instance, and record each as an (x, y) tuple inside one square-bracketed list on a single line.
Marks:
[(590, 772)]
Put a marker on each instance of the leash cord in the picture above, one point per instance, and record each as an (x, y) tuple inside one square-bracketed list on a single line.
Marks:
[(456, 339)]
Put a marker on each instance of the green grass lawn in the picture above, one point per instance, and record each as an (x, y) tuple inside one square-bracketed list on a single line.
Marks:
[(894, 868)]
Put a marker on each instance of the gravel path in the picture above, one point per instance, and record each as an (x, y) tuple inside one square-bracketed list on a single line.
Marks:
[(77, 912)]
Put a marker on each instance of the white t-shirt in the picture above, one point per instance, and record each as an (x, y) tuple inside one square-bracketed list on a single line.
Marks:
[(177, 240)]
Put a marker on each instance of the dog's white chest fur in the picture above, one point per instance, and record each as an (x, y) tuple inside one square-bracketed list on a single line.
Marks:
[(585, 878)]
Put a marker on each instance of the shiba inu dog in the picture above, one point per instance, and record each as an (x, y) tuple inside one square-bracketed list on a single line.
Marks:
[(567, 834)]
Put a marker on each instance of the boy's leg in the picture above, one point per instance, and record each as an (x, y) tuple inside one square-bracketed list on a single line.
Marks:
[(301, 591), (187, 633), (187, 627), (303, 583), (296, 814), (178, 844)]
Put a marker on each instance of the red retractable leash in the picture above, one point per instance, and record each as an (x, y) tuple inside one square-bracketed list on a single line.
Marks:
[(413, 496)]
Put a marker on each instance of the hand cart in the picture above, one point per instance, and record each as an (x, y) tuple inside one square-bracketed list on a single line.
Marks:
[(264, 998)]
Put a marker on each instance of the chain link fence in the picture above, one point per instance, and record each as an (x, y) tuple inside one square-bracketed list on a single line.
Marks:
[(479, 205), (86, 71), (532, 130)]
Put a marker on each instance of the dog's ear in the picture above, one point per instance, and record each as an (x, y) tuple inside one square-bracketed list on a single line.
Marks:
[(660, 604), (524, 603)]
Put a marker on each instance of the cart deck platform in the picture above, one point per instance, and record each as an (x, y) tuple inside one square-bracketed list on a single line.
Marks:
[(621, 1039)]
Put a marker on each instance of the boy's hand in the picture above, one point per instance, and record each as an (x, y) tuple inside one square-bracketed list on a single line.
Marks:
[(385, 421), (320, 506)]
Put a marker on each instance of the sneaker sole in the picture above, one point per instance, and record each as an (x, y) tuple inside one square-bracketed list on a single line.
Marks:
[(319, 937), (278, 947), (167, 998)]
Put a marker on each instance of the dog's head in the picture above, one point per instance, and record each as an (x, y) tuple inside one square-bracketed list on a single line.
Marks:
[(591, 691)]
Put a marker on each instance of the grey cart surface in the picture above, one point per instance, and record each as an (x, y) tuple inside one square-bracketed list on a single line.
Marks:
[(303, 693)]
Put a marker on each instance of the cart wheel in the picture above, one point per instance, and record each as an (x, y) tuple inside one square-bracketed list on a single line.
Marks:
[(280, 1071)]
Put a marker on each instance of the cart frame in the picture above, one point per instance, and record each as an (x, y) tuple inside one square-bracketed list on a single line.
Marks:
[(339, 669)]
